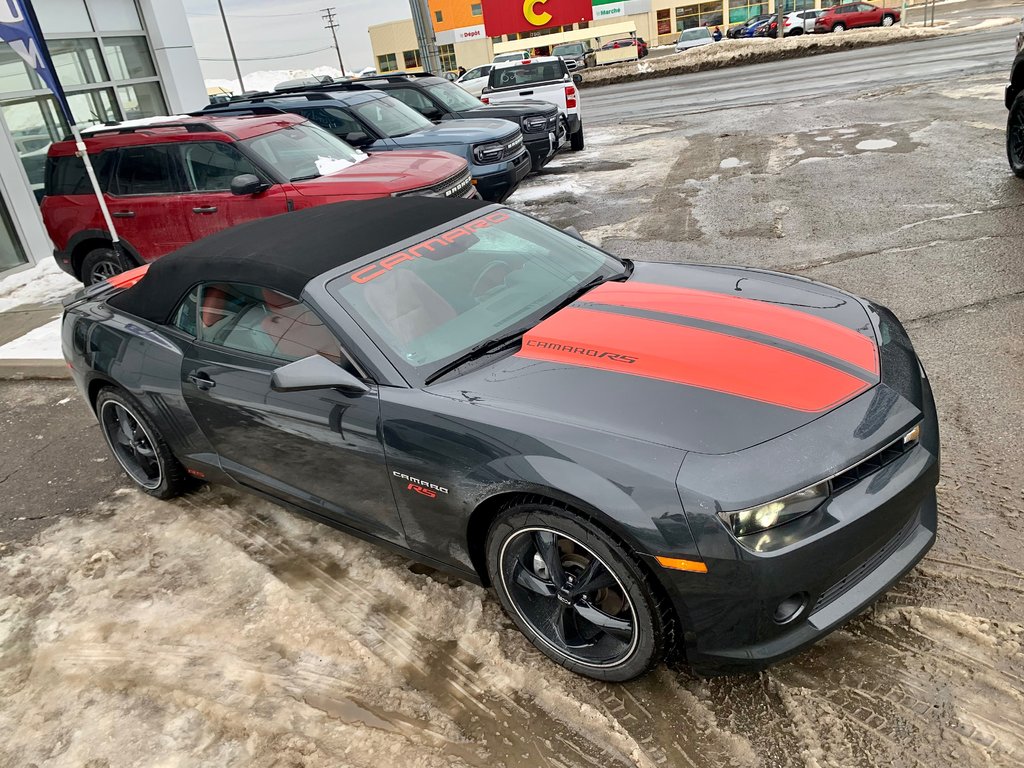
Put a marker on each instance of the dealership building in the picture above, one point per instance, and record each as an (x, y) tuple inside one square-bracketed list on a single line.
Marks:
[(117, 60), (462, 40)]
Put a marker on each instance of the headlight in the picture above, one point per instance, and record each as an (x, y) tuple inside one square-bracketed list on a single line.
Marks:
[(774, 513), (534, 123), (488, 153)]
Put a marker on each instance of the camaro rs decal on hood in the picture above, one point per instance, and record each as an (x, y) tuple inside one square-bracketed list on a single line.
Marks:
[(741, 347)]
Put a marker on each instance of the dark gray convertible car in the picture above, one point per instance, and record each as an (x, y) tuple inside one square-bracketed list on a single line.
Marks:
[(640, 458)]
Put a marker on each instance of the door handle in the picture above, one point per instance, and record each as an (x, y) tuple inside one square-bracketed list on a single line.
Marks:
[(202, 381), (205, 209), (123, 214), (526, 93)]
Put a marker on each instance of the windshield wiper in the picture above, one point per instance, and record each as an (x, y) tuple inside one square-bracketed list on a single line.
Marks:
[(307, 177), (481, 349), (591, 285)]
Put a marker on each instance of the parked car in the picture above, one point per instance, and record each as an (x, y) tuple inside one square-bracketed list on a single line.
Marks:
[(853, 15), (595, 438), (627, 42), (169, 181), (372, 121), (545, 78), (694, 38), (438, 100), (1015, 103), (738, 30), (513, 56), (474, 80), (577, 55), (754, 29), (800, 22)]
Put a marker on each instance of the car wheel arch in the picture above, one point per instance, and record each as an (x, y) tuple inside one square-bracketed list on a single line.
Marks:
[(89, 240), (95, 386)]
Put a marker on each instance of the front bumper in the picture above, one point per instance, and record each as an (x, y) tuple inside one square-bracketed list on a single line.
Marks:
[(496, 187), (836, 561), (544, 146)]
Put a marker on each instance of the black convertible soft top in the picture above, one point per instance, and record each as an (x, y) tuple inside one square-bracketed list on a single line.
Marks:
[(287, 251)]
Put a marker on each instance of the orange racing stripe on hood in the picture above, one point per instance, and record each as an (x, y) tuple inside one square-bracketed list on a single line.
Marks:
[(781, 322), (692, 356)]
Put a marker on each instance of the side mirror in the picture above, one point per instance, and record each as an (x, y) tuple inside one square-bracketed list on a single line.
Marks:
[(247, 184), (358, 139), (578, 79), (573, 232), (314, 372)]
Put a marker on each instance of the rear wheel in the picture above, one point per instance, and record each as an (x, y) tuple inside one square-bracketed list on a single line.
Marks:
[(1015, 136), (576, 139), (99, 264), (838, 27), (138, 446), (576, 593), (887, 20)]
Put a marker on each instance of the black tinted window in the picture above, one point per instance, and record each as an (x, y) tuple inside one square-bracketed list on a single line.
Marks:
[(527, 74), (67, 176), (147, 171), (211, 165), (418, 101), (337, 121)]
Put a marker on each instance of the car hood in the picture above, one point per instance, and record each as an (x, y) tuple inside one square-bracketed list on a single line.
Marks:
[(511, 111), (385, 172), (706, 359), (459, 132)]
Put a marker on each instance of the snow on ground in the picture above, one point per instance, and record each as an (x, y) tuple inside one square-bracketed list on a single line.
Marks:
[(871, 144), (265, 80), (42, 343), (43, 283), (541, 188)]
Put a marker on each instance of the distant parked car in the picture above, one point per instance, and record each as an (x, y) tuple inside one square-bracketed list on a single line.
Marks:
[(475, 79), (839, 18), (694, 38), (753, 29), (767, 28), (1015, 103), (577, 55), (800, 22), (514, 56), (627, 42), (738, 30)]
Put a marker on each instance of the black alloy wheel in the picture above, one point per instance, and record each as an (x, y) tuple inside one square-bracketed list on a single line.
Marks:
[(99, 264), (1015, 136), (574, 592), (137, 445)]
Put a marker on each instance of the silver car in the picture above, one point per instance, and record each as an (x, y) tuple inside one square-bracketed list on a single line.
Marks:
[(693, 38)]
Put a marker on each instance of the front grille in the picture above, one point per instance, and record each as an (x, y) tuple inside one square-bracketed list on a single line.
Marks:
[(870, 465), (513, 144), (453, 186), (850, 580)]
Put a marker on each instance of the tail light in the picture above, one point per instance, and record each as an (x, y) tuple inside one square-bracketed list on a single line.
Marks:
[(570, 96), (485, 100)]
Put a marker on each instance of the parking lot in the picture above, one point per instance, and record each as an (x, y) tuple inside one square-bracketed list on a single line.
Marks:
[(219, 629)]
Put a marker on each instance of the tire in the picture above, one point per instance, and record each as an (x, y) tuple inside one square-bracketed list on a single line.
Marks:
[(99, 264), (838, 27), (576, 139), (1015, 136), (138, 446), (636, 627), (887, 21)]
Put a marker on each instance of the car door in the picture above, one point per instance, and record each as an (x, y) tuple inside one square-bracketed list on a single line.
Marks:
[(868, 15), (320, 449), (146, 202), (209, 167)]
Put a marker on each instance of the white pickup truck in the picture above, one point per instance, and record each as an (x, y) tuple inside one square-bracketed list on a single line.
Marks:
[(545, 78)]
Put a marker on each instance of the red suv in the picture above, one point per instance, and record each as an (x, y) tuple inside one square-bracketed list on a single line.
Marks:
[(842, 17), (170, 181)]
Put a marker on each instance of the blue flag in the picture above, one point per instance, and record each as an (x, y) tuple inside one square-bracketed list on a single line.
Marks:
[(19, 28)]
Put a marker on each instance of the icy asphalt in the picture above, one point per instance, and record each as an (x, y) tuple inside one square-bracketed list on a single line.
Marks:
[(219, 630)]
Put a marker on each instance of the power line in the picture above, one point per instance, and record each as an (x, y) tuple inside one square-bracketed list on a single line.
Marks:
[(269, 58), (333, 26)]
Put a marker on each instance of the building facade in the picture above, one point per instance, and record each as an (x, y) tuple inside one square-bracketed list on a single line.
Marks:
[(117, 60), (459, 27)]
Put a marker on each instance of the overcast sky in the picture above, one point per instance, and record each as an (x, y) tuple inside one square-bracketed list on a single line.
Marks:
[(265, 29)]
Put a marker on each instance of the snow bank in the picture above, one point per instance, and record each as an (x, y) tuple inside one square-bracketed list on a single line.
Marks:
[(729, 53), (43, 283), (42, 343), (265, 80)]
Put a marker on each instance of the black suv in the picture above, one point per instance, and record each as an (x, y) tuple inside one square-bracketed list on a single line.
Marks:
[(438, 99), (1015, 103)]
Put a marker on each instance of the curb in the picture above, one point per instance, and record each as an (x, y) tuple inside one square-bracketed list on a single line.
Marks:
[(33, 370)]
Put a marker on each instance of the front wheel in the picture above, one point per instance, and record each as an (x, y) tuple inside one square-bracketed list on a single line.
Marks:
[(838, 27), (576, 139), (576, 594), (887, 21), (1015, 136)]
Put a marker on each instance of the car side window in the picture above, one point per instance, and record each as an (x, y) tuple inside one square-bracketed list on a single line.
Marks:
[(185, 315), (418, 101), (864, 8), (152, 170), (260, 321), (337, 121), (211, 165)]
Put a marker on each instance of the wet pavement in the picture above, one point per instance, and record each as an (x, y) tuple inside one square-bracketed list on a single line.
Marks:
[(221, 630)]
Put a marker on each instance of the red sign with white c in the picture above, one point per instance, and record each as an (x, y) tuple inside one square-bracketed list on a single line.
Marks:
[(504, 16)]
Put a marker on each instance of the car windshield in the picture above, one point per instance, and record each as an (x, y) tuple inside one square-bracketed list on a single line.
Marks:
[(527, 74), (568, 49), (452, 96), (391, 118), (304, 151), (509, 57), (431, 302), (694, 34)]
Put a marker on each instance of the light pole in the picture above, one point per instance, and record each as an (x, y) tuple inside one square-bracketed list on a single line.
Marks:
[(333, 26), (231, 46)]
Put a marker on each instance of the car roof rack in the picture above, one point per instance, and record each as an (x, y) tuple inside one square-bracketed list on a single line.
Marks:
[(341, 83), (239, 109), (110, 128)]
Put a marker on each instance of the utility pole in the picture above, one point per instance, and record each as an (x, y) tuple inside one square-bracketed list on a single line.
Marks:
[(429, 55), (333, 26), (231, 45)]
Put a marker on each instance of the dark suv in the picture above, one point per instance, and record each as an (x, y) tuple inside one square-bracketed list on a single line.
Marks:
[(1015, 103), (170, 181), (375, 122), (438, 99)]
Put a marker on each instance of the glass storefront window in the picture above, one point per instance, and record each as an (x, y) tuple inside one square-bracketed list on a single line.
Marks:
[(448, 62), (91, 107), (115, 15), (34, 124), (697, 15), (141, 100), (741, 10), (77, 62), (11, 252), (15, 74), (128, 58), (60, 17)]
